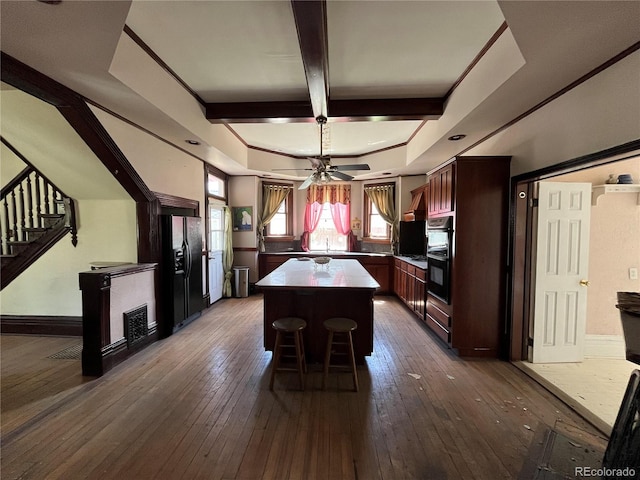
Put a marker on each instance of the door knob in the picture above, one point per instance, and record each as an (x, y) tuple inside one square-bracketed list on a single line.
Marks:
[(584, 283)]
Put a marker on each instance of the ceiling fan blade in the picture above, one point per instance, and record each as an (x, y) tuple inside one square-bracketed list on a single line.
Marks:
[(316, 162), (340, 175), (291, 169), (361, 166), (307, 182)]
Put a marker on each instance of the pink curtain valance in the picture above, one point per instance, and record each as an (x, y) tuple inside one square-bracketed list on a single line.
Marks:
[(340, 193)]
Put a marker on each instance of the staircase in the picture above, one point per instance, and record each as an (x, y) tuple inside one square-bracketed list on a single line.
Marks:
[(34, 216)]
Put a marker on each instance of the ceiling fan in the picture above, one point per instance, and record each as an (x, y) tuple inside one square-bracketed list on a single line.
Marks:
[(323, 171)]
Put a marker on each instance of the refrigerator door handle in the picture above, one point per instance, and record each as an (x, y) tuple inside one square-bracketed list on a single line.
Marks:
[(187, 254)]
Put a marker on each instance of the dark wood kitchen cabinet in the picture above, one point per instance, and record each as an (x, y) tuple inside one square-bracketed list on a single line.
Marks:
[(473, 320), (410, 286), (440, 188)]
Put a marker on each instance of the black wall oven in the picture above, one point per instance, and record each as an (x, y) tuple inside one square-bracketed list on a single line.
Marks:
[(439, 243)]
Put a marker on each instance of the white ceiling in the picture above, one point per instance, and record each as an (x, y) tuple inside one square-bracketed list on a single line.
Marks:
[(248, 51)]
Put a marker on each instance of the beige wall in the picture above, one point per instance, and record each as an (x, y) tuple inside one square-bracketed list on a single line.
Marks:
[(614, 245), (107, 232), (243, 192), (10, 166), (163, 168)]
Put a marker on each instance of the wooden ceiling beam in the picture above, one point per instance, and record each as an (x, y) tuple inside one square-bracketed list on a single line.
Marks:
[(361, 110), (259, 112), (311, 23), (386, 109)]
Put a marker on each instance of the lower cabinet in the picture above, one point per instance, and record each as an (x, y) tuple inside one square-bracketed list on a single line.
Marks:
[(410, 285), (438, 319)]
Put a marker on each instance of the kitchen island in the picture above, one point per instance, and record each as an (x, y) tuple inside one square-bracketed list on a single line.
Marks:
[(300, 288)]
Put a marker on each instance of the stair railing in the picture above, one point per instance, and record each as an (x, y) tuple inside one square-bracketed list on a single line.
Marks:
[(26, 204)]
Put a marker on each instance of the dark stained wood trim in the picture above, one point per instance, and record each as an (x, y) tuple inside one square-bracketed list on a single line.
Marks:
[(28, 80), (149, 51), (245, 249), (311, 23), (520, 238), (17, 180), (99, 352), (518, 263), (19, 264), (14, 183), (266, 150), (77, 113), (475, 61), (386, 109), (173, 201), (41, 325), (235, 134), (83, 121), (259, 112), (591, 160), (343, 110), (356, 155)]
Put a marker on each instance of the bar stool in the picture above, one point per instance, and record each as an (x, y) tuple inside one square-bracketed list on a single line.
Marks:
[(343, 327), (287, 327)]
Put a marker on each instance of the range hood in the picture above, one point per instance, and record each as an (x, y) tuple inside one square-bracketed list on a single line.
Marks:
[(418, 208)]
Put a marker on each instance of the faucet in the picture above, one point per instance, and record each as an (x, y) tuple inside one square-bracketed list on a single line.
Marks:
[(327, 244)]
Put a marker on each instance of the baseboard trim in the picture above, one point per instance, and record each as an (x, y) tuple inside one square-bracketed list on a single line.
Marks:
[(41, 325), (604, 346)]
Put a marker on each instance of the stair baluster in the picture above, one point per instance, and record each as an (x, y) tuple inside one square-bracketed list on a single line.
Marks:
[(30, 200), (34, 215), (38, 201)]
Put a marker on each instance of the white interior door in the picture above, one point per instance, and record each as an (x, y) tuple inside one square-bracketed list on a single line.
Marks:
[(216, 245), (562, 261)]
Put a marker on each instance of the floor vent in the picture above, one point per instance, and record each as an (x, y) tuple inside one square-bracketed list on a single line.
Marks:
[(71, 353), (136, 325)]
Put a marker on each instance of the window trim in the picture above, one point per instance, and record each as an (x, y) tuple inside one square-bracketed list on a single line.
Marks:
[(211, 170), (289, 215), (366, 221)]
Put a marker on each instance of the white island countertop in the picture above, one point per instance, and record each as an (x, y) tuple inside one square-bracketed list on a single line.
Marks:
[(306, 274)]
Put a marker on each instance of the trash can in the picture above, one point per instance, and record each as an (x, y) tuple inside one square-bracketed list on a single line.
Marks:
[(241, 276)]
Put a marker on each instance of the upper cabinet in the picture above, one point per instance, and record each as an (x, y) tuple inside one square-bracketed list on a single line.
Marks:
[(418, 208), (440, 188)]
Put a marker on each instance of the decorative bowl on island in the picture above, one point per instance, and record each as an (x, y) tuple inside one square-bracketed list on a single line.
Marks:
[(322, 260)]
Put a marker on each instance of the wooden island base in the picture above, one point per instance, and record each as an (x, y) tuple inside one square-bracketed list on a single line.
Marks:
[(345, 289)]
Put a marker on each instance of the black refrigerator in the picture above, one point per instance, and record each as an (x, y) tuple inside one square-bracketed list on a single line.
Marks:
[(181, 270)]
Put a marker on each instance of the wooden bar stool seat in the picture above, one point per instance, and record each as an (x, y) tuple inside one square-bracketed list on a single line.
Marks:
[(288, 328), (341, 327)]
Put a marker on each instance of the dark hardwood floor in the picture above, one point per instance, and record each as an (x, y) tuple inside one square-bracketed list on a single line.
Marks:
[(197, 406)]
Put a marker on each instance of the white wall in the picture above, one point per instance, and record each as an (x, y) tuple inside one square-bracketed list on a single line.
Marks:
[(600, 113), (107, 232)]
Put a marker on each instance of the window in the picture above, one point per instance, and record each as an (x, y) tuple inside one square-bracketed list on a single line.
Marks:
[(216, 186), (375, 229), (281, 225), (216, 227), (326, 237)]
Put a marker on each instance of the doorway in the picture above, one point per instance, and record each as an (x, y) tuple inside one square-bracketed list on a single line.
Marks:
[(594, 386)]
